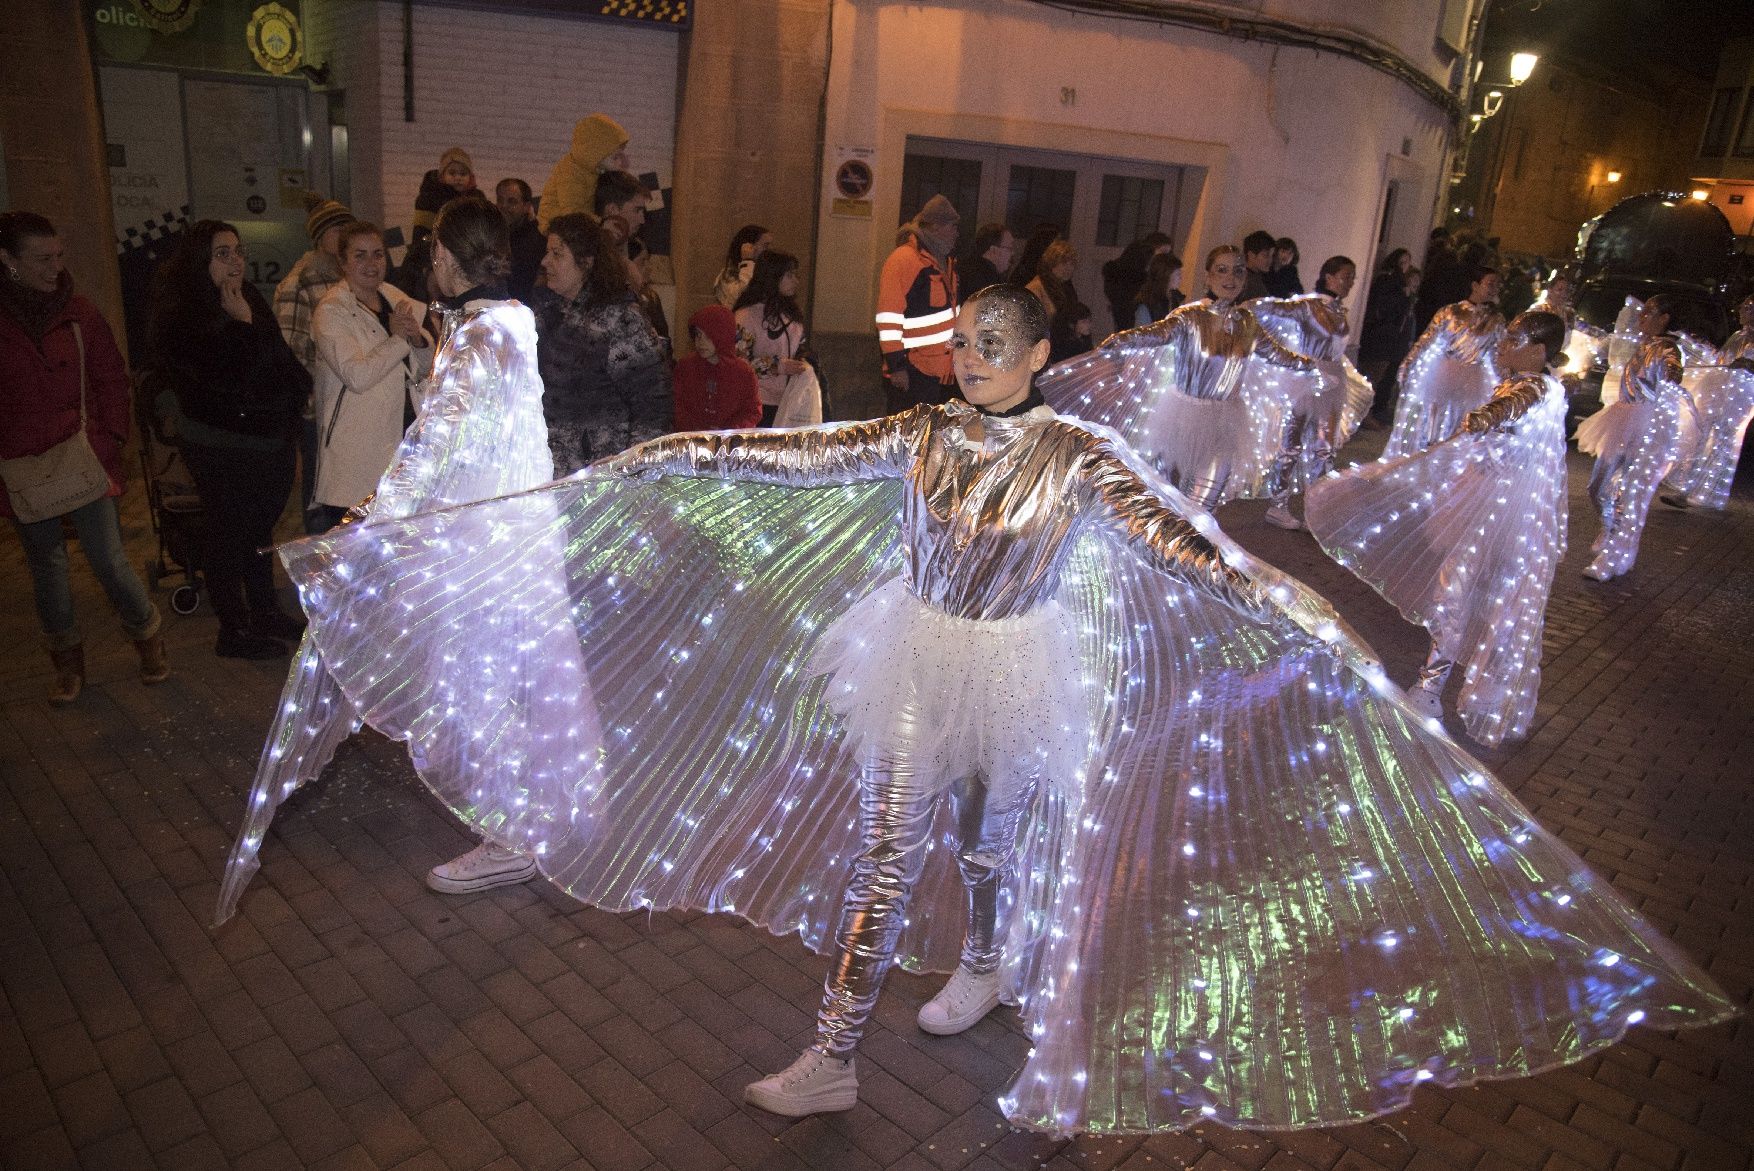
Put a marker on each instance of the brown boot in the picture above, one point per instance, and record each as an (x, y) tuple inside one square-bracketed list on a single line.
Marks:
[(155, 665), (69, 673)]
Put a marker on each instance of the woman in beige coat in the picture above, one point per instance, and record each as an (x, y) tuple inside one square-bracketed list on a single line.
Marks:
[(372, 354)]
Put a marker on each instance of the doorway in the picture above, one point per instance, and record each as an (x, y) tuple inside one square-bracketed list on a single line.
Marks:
[(1099, 204)]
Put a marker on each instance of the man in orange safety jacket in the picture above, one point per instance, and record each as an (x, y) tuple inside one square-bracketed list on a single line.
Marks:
[(916, 308)]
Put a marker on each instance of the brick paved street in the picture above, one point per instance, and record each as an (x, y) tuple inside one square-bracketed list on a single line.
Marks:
[(350, 1019)]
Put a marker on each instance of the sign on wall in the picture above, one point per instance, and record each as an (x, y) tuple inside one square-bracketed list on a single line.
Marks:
[(275, 39), (148, 179), (225, 36), (235, 168), (149, 187), (851, 179)]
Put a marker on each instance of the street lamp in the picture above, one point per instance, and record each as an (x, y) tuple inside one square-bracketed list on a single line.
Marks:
[(1613, 176), (1522, 66)]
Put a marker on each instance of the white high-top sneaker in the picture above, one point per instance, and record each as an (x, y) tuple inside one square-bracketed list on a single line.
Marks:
[(814, 1084), (483, 868), (961, 1003), (1280, 516), (1426, 701)]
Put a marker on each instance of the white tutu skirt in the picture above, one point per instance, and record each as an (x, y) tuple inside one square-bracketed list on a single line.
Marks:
[(956, 696), (1614, 429), (1204, 445), (1211, 450)]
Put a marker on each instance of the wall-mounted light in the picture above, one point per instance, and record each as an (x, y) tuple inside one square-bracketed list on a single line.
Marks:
[(1613, 176), (1489, 105), (1701, 194), (1522, 65)]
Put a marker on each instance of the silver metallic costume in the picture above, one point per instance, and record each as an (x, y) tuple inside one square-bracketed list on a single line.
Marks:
[(1321, 415), (1267, 895), (1450, 371), (1199, 393), (1463, 538), (479, 433), (1711, 444), (1636, 442), (976, 686)]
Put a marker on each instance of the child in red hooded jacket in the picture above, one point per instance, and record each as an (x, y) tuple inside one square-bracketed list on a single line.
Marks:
[(715, 389)]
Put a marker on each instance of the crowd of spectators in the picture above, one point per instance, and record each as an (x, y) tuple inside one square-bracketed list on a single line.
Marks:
[(322, 383)]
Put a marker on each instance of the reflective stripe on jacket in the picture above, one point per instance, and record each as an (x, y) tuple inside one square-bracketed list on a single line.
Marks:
[(916, 310)]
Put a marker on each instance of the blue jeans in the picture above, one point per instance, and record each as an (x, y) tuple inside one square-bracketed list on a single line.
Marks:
[(100, 536)]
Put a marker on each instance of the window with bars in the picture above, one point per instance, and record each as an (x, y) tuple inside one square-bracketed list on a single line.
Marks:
[(1039, 195), (1130, 208), (923, 176)]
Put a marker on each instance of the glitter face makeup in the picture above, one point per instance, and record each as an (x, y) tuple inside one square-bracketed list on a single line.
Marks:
[(991, 355), (998, 333)]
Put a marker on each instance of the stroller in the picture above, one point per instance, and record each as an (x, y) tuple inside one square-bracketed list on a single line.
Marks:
[(175, 509)]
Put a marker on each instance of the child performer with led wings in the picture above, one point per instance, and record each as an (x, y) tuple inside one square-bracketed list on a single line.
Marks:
[(1722, 387), (1197, 834), (1636, 441), (480, 433), (1203, 394), (1464, 537), (1312, 426), (1450, 370)]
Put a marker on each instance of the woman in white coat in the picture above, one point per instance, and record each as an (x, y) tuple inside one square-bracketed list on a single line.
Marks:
[(372, 354)]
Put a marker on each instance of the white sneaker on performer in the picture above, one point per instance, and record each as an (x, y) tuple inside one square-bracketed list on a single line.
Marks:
[(1280, 517), (1426, 702), (814, 1084), (961, 1003), (483, 868)]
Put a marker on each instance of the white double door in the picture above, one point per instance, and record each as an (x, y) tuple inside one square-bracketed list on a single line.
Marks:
[(1099, 204)]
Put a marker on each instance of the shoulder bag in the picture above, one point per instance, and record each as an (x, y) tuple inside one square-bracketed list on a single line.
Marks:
[(66, 477)]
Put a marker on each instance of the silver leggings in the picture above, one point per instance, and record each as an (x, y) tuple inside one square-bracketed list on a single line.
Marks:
[(896, 828), (1306, 444), (1622, 488)]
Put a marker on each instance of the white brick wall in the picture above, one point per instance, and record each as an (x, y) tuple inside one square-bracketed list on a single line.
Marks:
[(506, 87), (344, 35)]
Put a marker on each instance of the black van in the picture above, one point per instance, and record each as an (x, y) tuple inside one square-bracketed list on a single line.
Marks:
[(1658, 242)]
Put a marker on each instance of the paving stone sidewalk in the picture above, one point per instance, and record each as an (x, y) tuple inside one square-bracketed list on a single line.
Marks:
[(348, 1018)]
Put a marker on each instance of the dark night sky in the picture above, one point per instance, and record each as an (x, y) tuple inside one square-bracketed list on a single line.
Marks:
[(1646, 43)]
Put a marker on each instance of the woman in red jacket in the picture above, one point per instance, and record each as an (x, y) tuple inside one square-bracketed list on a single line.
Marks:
[(56, 348)]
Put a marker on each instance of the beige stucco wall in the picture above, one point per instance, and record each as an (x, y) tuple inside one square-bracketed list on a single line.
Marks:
[(1295, 141), (55, 161)]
